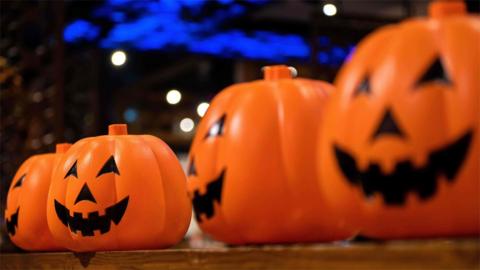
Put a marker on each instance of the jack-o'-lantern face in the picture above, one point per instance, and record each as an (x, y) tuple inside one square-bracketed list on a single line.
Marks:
[(407, 175), (252, 170), (402, 136), (94, 221), (204, 204), (118, 192), (12, 221), (25, 214)]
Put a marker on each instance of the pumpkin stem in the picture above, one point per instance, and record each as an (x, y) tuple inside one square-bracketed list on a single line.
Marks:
[(117, 129), (441, 9), (278, 72), (61, 148)]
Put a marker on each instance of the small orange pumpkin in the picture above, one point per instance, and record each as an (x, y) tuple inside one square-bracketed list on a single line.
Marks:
[(118, 192), (252, 167), (399, 156), (25, 214)]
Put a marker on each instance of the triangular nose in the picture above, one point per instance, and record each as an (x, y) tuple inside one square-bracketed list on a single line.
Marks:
[(85, 195), (388, 126), (192, 169)]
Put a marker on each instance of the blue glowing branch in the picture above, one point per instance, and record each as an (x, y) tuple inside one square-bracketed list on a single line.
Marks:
[(163, 25)]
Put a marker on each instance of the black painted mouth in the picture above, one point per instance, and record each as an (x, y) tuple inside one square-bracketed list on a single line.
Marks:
[(406, 178), (94, 222), (203, 204), (12, 224)]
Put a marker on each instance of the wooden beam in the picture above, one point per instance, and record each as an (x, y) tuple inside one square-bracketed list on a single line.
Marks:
[(430, 254)]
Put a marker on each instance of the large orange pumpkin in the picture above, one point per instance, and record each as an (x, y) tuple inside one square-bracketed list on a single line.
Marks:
[(399, 155), (118, 192), (252, 167), (26, 215)]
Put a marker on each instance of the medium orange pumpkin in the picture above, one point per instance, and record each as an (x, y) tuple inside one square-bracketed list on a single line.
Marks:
[(118, 192), (252, 167), (399, 155), (26, 216)]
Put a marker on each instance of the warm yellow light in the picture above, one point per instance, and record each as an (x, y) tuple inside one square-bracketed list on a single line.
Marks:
[(202, 108), (187, 125), (329, 9), (173, 96), (118, 58)]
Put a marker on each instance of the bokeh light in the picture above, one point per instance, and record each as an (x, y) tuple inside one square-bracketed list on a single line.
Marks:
[(329, 9), (118, 58), (187, 125), (173, 97), (202, 108)]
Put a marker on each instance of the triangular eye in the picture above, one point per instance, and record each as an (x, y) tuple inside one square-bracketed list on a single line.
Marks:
[(217, 128), (435, 73), (110, 166), (72, 171), (192, 169), (20, 181), (363, 88)]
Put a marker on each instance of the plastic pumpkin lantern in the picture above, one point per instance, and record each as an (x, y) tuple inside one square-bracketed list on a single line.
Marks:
[(399, 154), (118, 192), (252, 168), (26, 215)]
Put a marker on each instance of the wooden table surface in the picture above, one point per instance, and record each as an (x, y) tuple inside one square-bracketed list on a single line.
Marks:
[(427, 254)]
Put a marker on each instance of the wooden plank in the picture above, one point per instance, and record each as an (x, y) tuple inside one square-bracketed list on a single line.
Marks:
[(433, 254)]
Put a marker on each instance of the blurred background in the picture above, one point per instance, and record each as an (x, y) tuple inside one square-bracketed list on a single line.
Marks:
[(69, 69)]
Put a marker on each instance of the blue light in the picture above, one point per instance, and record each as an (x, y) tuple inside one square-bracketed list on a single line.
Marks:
[(130, 115), (161, 25), (257, 45), (118, 2), (323, 58), (80, 30), (118, 16), (338, 52), (324, 41)]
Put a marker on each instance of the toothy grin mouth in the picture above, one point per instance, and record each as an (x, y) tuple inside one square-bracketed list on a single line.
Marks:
[(406, 178), (94, 221), (204, 204), (12, 224)]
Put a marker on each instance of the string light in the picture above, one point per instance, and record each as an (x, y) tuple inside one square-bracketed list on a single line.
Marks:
[(187, 125), (202, 108), (329, 9), (173, 97), (118, 58)]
